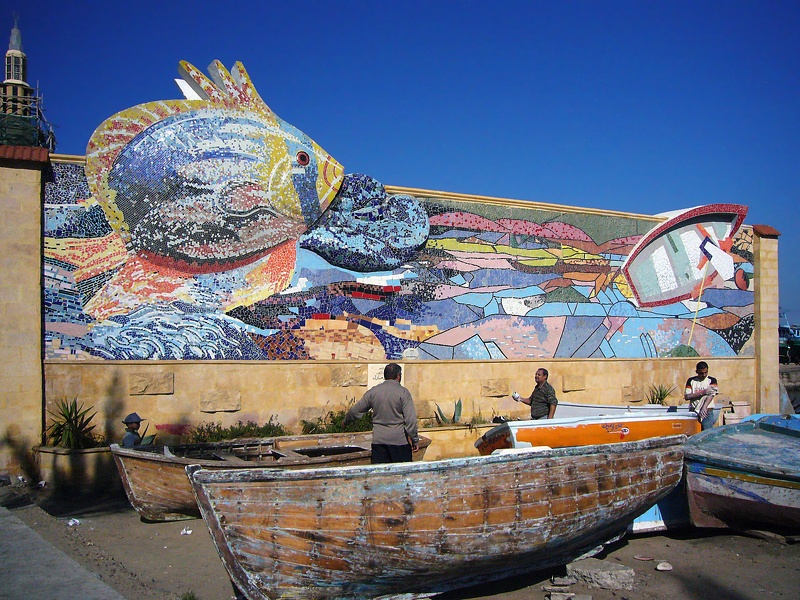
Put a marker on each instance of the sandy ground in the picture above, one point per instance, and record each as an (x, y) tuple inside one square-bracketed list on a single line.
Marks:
[(159, 561)]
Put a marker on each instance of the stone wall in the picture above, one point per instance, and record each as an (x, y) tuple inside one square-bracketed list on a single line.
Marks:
[(175, 395), (20, 310)]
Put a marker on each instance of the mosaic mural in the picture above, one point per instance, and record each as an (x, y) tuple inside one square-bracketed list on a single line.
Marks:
[(209, 228)]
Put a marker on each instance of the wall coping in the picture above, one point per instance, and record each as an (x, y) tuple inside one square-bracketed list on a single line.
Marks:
[(345, 362)]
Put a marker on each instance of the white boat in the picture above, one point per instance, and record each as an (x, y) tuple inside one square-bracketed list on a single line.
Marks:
[(566, 410)]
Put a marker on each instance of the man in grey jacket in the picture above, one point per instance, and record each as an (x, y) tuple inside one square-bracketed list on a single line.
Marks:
[(394, 418)]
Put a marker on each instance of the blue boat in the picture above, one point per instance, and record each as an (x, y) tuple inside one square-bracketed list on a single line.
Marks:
[(746, 476)]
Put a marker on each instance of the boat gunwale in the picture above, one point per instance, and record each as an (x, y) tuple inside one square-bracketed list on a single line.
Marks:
[(290, 453), (257, 474)]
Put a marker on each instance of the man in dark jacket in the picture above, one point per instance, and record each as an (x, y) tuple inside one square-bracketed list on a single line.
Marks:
[(394, 418)]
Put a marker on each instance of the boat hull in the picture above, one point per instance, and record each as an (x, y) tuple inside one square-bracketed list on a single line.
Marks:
[(746, 475), (426, 527), (157, 486)]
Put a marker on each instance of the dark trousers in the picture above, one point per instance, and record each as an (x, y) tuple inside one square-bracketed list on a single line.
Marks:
[(384, 453)]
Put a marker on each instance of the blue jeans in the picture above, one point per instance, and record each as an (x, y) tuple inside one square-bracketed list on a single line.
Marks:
[(709, 421)]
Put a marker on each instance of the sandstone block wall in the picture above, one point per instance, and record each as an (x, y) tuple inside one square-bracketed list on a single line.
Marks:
[(292, 392), (20, 312)]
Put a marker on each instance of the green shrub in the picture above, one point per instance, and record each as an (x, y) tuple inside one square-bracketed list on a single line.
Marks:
[(333, 422), (71, 427), (215, 432)]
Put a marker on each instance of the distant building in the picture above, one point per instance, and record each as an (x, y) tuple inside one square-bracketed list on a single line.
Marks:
[(22, 122)]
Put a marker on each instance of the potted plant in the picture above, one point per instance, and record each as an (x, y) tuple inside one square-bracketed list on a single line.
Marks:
[(75, 459), (658, 394)]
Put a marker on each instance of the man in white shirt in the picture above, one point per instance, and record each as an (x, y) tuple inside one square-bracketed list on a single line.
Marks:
[(700, 392)]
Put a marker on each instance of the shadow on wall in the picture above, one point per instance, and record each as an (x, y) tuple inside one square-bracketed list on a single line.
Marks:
[(22, 451), (89, 472), (113, 408)]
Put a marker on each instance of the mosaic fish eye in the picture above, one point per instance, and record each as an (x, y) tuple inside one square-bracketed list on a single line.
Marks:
[(303, 159)]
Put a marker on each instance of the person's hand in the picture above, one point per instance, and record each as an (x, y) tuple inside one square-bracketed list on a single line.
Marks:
[(414, 447), (516, 397), (703, 412)]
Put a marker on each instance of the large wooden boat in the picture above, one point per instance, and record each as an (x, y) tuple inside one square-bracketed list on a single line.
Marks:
[(585, 431), (746, 475), (155, 478), (426, 527)]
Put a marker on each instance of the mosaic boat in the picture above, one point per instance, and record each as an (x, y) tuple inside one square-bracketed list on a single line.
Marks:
[(746, 476), (682, 255), (155, 478), (426, 527)]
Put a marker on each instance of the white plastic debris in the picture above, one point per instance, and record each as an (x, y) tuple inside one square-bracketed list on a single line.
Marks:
[(73, 523), (663, 566), (186, 531), (41, 484)]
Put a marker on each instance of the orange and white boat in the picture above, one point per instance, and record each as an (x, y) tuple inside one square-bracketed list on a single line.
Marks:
[(586, 431)]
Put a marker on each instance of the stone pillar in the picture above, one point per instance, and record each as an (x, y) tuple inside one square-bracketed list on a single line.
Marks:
[(767, 384), (21, 406)]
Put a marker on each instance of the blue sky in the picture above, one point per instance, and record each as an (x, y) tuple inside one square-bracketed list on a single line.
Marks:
[(635, 106)]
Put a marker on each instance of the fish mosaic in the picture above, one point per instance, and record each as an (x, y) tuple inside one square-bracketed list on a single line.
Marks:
[(209, 228)]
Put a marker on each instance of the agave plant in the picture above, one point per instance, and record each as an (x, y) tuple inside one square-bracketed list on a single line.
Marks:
[(71, 427), (658, 394), (441, 419)]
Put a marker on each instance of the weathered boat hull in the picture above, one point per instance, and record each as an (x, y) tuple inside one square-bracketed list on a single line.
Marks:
[(156, 483), (585, 431), (426, 527), (746, 475)]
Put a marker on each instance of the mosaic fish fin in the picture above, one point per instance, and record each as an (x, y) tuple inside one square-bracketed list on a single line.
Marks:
[(201, 84), (223, 80), (245, 84)]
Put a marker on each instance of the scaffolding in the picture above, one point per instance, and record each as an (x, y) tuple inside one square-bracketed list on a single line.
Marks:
[(22, 120)]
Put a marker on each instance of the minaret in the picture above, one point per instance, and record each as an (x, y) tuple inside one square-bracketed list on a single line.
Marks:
[(22, 121), (17, 95)]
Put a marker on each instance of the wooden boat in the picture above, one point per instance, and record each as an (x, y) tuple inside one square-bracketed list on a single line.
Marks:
[(426, 527), (676, 259), (585, 431), (669, 513), (155, 478), (746, 475)]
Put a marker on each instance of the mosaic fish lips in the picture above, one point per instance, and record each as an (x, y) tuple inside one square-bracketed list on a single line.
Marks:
[(217, 187)]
